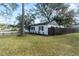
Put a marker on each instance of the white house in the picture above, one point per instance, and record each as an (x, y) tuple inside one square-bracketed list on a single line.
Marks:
[(44, 28)]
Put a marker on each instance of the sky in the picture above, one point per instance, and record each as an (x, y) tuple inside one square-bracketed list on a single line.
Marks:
[(18, 11), (39, 1), (15, 13)]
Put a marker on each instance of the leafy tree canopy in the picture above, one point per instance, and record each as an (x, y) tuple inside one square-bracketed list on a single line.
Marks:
[(58, 12)]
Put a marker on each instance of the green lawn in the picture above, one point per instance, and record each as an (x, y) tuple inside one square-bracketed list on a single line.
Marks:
[(67, 44)]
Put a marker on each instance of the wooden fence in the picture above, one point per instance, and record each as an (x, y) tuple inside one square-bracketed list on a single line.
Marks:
[(56, 31), (8, 33)]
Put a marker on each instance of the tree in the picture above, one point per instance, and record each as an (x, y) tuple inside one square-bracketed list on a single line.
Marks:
[(66, 19), (77, 14), (58, 12), (30, 17), (28, 20), (43, 11), (9, 8), (22, 21)]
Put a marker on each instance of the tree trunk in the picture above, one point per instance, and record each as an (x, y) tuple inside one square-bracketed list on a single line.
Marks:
[(22, 22)]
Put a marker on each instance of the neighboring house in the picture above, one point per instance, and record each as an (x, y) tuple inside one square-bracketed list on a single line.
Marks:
[(44, 28)]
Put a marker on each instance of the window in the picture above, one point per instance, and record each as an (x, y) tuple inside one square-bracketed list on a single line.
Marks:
[(32, 28), (41, 28)]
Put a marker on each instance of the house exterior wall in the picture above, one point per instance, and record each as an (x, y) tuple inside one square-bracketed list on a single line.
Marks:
[(45, 26), (44, 31), (34, 31)]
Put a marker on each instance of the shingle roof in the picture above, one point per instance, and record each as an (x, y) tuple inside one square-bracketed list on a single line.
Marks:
[(45, 23)]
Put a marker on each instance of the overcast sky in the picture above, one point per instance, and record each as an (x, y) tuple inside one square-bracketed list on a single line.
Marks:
[(28, 6)]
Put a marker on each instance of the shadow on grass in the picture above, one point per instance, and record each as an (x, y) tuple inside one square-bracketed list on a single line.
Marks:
[(35, 34)]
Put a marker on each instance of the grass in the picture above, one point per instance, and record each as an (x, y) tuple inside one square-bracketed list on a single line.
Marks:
[(67, 44)]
